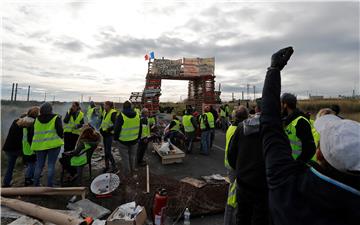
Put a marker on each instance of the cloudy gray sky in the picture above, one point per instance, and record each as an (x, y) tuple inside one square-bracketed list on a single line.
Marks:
[(97, 49)]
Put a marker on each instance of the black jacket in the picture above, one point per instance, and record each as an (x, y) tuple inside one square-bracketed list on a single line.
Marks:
[(118, 126), (299, 194), (245, 154), (58, 124), (13, 141), (303, 132)]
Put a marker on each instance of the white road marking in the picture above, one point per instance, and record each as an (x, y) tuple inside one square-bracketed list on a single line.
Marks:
[(218, 147)]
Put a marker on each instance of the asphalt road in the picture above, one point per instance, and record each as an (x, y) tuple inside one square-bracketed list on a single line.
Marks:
[(194, 165)]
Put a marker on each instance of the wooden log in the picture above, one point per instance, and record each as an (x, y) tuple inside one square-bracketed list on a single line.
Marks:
[(40, 212), (147, 179), (43, 191)]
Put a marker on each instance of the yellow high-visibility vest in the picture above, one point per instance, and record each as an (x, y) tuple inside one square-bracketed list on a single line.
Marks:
[(45, 136), (229, 133), (177, 125), (130, 129), (106, 122), (295, 142), (186, 121), (70, 127)]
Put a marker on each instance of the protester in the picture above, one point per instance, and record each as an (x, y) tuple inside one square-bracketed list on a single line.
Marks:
[(128, 131), (298, 129), (328, 192), (206, 124), (73, 121), (240, 114), (46, 142), (223, 118), (144, 139), (107, 131), (73, 161), (336, 109), (212, 134), (18, 144), (245, 154), (172, 132), (190, 126), (92, 114)]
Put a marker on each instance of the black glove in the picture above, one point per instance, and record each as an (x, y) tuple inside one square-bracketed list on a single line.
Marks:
[(280, 58)]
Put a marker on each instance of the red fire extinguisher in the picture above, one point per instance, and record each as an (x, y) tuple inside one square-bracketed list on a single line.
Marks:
[(160, 201)]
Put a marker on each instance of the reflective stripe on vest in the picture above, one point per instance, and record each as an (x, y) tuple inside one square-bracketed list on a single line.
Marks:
[(231, 200), (45, 136), (89, 113), (177, 125), (295, 142), (71, 125), (186, 121), (145, 132), (25, 144), (81, 159), (210, 119), (106, 122), (229, 133), (130, 128)]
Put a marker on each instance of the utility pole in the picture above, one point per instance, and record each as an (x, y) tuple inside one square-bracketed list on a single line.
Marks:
[(232, 96), (247, 91), (254, 92), (242, 95), (12, 92), (28, 95), (16, 87), (82, 96), (219, 87), (45, 97)]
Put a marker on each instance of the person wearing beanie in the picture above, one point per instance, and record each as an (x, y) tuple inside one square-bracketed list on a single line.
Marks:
[(190, 125), (46, 142), (298, 128), (127, 132), (18, 144), (322, 192)]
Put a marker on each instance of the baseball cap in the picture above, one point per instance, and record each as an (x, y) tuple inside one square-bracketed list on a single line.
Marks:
[(340, 142)]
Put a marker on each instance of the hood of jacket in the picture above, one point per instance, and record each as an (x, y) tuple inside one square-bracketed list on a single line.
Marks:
[(251, 125), (25, 121), (46, 118), (130, 113), (292, 116)]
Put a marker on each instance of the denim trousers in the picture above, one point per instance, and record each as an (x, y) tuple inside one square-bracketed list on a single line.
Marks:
[(127, 153), (11, 161), (205, 141), (52, 155)]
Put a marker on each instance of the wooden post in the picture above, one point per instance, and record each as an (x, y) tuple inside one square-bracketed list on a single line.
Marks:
[(43, 191), (147, 179), (40, 212)]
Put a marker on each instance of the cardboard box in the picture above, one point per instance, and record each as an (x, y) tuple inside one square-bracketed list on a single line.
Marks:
[(114, 218)]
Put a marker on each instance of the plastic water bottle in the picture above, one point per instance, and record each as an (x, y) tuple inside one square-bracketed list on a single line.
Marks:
[(187, 217)]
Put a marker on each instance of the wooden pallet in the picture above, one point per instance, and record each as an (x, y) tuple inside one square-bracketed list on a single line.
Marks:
[(176, 157)]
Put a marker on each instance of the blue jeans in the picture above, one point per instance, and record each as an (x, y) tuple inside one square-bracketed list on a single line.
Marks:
[(10, 168), (40, 163), (30, 170), (205, 141)]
